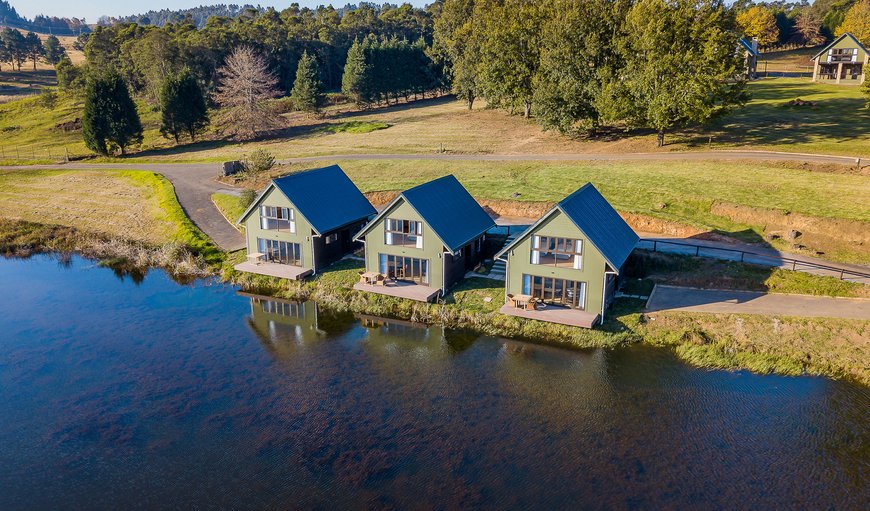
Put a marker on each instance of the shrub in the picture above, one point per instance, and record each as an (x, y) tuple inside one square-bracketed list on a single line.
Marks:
[(259, 161), (48, 99), (246, 198)]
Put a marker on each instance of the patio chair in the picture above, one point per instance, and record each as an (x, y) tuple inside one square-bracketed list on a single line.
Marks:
[(531, 304)]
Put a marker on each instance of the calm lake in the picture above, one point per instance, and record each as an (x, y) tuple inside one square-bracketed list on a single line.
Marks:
[(116, 395)]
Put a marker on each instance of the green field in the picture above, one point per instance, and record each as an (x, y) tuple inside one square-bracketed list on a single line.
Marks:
[(837, 124)]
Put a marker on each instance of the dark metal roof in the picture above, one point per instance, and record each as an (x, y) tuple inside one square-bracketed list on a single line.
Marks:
[(449, 210), (837, 40), (326, 197), (597, 219)]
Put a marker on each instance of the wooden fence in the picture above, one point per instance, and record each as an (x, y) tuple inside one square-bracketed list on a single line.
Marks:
[(34, 153)]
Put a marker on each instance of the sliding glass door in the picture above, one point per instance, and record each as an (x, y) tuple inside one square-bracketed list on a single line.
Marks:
[(410, 269), (556, 291), (280, 251)]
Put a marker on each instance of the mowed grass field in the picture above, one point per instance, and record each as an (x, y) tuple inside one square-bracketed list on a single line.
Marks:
[(838, 124), (16, 84), (125, 204), (744, 200)]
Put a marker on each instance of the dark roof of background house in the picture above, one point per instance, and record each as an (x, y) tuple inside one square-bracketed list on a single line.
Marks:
[(326, 197), (837, 40), (447, 207), (601, 224)]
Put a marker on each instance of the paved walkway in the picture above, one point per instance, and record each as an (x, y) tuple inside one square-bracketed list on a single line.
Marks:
[(671, 298)]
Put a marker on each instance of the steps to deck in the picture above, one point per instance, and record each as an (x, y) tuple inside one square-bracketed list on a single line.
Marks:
[(499, 267)]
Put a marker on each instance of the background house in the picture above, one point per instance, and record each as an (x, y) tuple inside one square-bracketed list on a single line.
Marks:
[(750, 56), (302, 222), (569, 260), (429, 236), (844, 60)]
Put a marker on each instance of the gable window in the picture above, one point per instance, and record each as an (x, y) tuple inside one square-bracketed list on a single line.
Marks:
[(277, 218), (558, 252), (403, 233)]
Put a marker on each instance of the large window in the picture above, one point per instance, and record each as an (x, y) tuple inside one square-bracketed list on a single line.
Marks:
[(558, 252), (404, 233), (405, 268), (842, 54), (280, 251), (557, 291), (277, 218)]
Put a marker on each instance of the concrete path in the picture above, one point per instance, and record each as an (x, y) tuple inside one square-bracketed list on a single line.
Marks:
[(671, 298)]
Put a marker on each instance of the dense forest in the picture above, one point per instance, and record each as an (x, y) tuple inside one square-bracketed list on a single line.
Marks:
[(198, 15)]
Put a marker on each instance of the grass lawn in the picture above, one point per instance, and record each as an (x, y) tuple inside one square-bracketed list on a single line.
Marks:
[(230, 206), (838, 124), (790, 61), (131, 205)]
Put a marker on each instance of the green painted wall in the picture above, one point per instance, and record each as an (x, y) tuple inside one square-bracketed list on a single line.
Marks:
[(845, 43), (432, 246), (592, 273), (303, 228)]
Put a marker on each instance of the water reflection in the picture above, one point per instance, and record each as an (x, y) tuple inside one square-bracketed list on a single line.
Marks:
[(162, 395)]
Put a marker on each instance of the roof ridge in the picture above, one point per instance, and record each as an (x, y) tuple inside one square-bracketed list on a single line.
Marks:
[(575, 192), (427, 183), (305, 171)]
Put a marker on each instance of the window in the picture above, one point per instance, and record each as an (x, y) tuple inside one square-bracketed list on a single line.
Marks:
[(332, 238), (405, 268), (403, 233), (842, 54), (557, 291), (277, 218), (280, 251), (558, 252)]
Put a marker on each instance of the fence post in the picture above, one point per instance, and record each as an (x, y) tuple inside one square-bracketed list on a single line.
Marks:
[(841, 273), (793, 264), (742, 253), (697, 250), (655, 245), (66, 151)]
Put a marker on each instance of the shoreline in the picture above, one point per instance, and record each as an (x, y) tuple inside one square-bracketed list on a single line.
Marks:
[(760, 344)]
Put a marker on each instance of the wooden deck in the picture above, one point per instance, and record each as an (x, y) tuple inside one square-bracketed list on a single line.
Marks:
[(284, 271), (401, 290), (552, 314)]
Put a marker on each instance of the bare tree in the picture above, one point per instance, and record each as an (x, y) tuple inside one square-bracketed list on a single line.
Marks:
[(245, 86), (809, 26)]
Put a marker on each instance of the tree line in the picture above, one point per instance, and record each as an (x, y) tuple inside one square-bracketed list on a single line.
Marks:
[(17, 48), (10, 18), (577, 65), (777, 23)]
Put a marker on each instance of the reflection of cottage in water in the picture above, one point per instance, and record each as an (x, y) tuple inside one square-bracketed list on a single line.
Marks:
[(407, 335), (281, 324)]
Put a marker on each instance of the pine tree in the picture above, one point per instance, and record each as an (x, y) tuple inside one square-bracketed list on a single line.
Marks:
[(110, 118), (54, 51), (34, 48), (354, 79), (182, 106), (307, 92)]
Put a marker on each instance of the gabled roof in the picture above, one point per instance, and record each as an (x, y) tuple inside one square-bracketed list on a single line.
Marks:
[(326, 197), (747, 45), (597, 219), (837, 40), (447, 208)]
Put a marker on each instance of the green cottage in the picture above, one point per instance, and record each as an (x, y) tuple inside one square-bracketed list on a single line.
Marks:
[(845, 60), (424, 241), (564, 268), (303, 222)]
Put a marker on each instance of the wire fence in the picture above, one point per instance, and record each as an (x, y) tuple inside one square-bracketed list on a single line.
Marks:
[(35, 153)]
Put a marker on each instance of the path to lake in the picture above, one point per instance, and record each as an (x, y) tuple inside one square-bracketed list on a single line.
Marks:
[(120, 394)]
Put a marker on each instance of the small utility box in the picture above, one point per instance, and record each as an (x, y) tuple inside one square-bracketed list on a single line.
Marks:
[(232, 167)]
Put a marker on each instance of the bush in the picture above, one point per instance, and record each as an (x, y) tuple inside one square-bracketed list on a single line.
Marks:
[(48, 99), (259, 161), (246, 198)]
